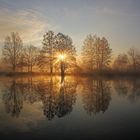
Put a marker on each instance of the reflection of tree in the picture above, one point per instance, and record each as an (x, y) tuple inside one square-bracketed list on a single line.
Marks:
[(134, 91), (48, 90), (128, 88), (27, 88), (96, 96), (66, 98), (122, 87), (13, 99), (57, 97)]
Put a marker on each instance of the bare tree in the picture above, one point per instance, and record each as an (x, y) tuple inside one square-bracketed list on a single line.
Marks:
[(42, 60), (58, 51), (48, 49), (88, 53), (121, 63), (96, 53), (134, 58), (22, 61), (12, 49), (65, 52), (102, 56), (30, 54)]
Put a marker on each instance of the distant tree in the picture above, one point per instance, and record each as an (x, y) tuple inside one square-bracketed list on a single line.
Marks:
[(42, 61), (65, 52), (102, 57), (96, 53), (48, 49), (30, 55), (88, 53), (121, 63), (134, 58), (22, 61), (12, 49)]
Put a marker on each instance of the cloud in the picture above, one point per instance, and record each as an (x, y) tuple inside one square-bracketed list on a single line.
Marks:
[(28, 23), (113, 12)]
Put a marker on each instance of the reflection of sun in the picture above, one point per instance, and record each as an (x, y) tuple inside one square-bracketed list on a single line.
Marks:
[(61, 57)]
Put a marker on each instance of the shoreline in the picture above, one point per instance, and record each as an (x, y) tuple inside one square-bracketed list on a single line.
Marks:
[(95, 74)]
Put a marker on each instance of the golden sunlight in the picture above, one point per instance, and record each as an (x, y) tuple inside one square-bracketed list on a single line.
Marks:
[(61, 57)]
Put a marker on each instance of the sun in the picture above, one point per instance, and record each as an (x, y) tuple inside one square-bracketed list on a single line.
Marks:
[(62, 57)]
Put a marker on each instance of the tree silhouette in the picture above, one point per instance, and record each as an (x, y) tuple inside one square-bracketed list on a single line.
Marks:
[(65, 52), (12, 49), (48, 49), (102, 57), (134, 58), (30, 54), (121, 63), (88, 53), (96, 53)]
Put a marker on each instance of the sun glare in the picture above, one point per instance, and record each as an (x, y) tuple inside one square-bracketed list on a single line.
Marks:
[(61, 57)]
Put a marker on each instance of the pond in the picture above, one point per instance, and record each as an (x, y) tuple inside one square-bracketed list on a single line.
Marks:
[(43, 107)]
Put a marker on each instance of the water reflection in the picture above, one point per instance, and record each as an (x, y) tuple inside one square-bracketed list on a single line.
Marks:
[(57, 95), (96, 96), (128, 88), (121, 87), (134, 91), (13, 99)]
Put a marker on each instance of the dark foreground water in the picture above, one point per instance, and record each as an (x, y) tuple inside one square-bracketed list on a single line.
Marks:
[(73, 108)]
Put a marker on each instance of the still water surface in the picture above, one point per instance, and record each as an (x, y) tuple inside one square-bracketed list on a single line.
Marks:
[(72, 108)]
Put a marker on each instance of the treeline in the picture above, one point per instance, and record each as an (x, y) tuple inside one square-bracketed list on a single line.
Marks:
[(129, 61), (58, 55), (97, 57)]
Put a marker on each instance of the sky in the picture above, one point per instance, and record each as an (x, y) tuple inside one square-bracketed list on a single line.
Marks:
[(117, 20)]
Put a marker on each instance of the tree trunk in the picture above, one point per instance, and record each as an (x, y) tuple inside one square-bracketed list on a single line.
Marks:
[(31, 67), (28, 68), (51, 67), (21, 69), (51, 70), (14, 68), (62, 79), (62, 68)]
